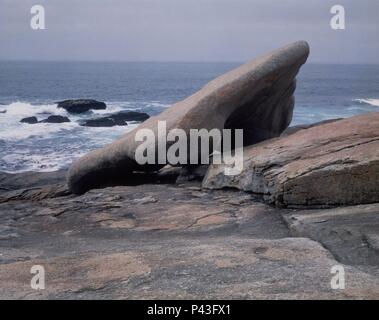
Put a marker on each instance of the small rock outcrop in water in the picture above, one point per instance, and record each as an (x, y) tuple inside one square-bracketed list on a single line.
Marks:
[(29, 120), (331, 164), (117, 119), (50, 119), (3, 111), (81, 105), (256, 97), (56, 119), (99, 122)]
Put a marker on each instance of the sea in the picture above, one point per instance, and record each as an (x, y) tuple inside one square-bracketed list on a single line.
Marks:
[(34, 88)]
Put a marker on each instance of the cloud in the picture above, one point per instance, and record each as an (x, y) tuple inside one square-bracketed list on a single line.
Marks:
[(187, 30)]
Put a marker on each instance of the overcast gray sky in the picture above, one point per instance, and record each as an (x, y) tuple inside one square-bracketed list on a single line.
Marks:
[(187, 30)]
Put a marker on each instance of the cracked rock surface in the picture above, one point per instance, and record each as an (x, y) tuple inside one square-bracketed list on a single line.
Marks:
[(170, 241), (332, 164)]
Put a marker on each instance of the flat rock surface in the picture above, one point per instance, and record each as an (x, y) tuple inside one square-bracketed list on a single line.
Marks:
[(180, 241), (351, 233)]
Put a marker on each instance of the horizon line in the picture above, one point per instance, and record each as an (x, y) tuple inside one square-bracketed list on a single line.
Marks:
[(174, 61)]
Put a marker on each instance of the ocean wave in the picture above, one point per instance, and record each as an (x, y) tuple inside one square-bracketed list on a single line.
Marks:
[(372, 102), (52, 146), (25, 131), (12, 129), (56, 151), (158, 104), (112, 107), (20, 108), (27, 109), (21, 162), (115, 106)]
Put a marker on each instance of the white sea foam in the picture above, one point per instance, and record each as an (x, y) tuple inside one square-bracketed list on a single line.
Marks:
[(37, 162), (158, 104), (373, 102), (46, 146), (24, 131), (52, 146), (30, 159), (112, 107), (12, 129), (26, 109), (117, 106)]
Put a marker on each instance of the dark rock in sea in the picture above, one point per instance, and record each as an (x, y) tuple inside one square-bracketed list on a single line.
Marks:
[(116, 119), (55, 119), (123, 116), (256, 97), (328, 165), (3, 111), (99, 122), (81, 105), (29, 120)]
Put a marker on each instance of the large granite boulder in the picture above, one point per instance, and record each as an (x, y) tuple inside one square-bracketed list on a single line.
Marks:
[(332, 164), (256, 97), (81, 105)]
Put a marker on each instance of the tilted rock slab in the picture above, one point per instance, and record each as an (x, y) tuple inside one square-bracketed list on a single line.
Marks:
[(256, 97), (331, 164)]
